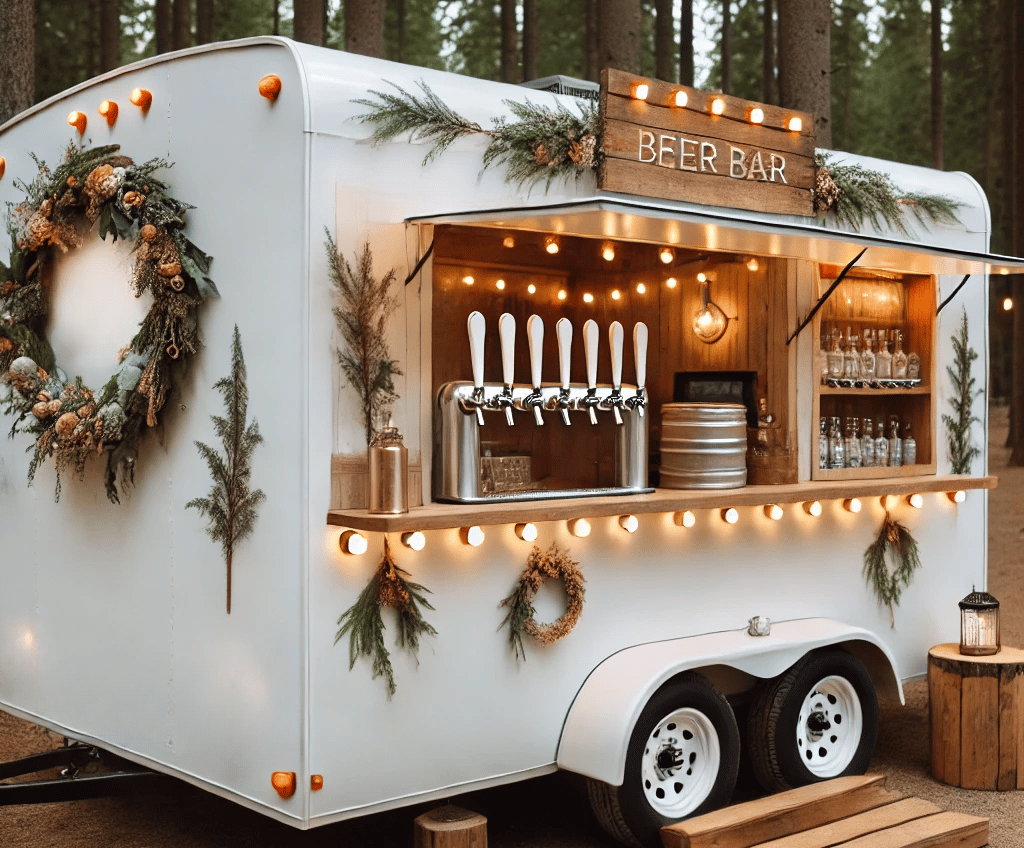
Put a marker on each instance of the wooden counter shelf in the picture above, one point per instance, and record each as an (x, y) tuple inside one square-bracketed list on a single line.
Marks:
[(448, 516)]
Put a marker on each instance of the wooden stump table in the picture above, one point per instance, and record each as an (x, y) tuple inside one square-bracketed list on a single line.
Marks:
[(977, 718)]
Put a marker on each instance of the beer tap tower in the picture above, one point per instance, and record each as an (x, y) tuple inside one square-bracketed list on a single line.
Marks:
[(463, 407)]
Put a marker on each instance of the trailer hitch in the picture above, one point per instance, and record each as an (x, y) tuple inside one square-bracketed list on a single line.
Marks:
[(119, 777)]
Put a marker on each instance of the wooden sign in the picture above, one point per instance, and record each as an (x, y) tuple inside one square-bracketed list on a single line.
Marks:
[(658, 148)]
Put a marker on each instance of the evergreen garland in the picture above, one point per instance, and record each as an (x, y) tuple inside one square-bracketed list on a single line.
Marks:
[(958, 427), (231, 506), (893, 539), (542, 144), (364, 623), (365, 306), (853, 193)]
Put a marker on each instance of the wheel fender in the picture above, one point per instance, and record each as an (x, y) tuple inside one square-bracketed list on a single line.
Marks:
[(601, 718)]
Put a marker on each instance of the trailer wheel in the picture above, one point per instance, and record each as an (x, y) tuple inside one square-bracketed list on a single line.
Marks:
[(682, 760), (816, 721)]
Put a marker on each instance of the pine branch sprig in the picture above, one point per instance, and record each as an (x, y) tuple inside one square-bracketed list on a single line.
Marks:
[(231, 506), (895, 541), (962, 450)]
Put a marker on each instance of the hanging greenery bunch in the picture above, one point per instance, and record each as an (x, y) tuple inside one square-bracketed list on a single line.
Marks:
[(365, 305), (542, 144), (521, 616), (231, 505), (896, 541), (853, 194), (68, 420), (962, 450), (364, 624)]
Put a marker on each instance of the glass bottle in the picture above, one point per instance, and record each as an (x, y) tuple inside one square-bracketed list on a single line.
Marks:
[(823, 443), (895, 442), (899, 359), (851, 358), (852, 443), (913, 365), (881, 444), (883, 362), (835, 356), (909, 446), (836, 447), (867, 357), (867, 445), (823, 351)]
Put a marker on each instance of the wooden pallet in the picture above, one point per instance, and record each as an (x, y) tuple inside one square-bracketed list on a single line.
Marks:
[(852, 812)]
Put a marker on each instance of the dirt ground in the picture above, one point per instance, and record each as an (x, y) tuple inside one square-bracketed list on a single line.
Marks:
[(548, 812)]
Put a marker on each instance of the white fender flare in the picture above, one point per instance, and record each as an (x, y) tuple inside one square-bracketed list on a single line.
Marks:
[(601, 718)]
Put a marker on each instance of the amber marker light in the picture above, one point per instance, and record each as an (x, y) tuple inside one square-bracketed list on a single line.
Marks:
[(852, 505), (717, 106), (78, 121), (795, 124), (639, 90), (142, 98), (284, 783), (685, 518), (756, 115), (526, 531), (773, 511), (629, 523), (415, 540), (730, 515), (472, 536), (812, 508), (916, 500), (108, 109), (579, 527), (270, 86), (316, 782), (680, 98), (353, 543), (957, 497)]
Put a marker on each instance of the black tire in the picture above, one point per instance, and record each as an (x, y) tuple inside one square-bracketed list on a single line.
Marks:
[(795, 732), (683, 768)]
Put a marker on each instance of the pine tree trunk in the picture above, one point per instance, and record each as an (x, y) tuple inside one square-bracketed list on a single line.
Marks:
[(727, 46), (164, 25), (938, 112), (17, 57), (531, 39), (664, 40), (768, 56), (364, 27), (591, 64), (509, 39), (805, 68), (400, 14), (618, 35), (181, 33), (110, 35), (308, 22), (686, 42), (204, 21)]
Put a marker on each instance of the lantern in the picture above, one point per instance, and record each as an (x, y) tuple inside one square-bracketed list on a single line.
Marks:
[(979, 624)]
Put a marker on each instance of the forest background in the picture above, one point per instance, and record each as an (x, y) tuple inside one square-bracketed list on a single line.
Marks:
[(929, 82)]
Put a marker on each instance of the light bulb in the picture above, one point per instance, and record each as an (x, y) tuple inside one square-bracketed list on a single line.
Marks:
[(640, 90), (108, 109), (641, 288), (957, 497), (353, 543), (671, 282), (532, 289), (752, 264), (579, 527), (666, 255), (852, 505), (1007, 304), (551, 245), (508, 241), (468, 280), (526, 531), (756, 115), (588, 297), (812, 508), (717, 106), (500, 285), (730, 515), (616, 294), (561, 294), (608, 252), (142, 98), (629, 523), (773, 511), (915, 500), (681, 98), (685, 518), (795, 124), (473, 536), (415, 540)]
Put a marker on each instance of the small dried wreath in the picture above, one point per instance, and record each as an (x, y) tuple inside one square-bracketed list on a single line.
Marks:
[(68, 420), (521, 612)]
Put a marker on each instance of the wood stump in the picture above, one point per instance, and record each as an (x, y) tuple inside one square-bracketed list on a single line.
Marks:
[(450, 827), (977, 718)]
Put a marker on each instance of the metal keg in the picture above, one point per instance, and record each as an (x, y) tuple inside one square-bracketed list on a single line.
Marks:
[(703, 445)]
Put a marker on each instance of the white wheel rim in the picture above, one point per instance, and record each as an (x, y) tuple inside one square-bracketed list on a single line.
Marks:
[(680, 763), (829, 728)]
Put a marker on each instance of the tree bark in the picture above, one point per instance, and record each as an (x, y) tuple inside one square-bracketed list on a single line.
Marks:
[(204, 21), (1016, 435), (181, 33), (686, 42), (618, 35), (308, 22), (364, 27), (664, 40), (938, 112), (805, 69), (163, 13), (768, 86), (110, 35), (727, 46), (17, 57), (509, 42), (591, 65), (400, 15), (531, 39)]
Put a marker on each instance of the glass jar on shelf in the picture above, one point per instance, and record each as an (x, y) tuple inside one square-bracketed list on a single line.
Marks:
[(851, 443), (867, 356), (867, 445), (909, 446), (895, 442), (835, 356), (899, 359), (881, 444), (883, 362), (836, 446)]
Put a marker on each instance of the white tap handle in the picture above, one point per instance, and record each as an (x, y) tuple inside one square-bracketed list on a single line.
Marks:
[(615, 336), (477, 328), (640, 353), (535, 336), (563, 332), (507, 335), (590, 341)]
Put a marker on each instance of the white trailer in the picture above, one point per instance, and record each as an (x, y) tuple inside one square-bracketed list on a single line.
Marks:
[(113, 629)]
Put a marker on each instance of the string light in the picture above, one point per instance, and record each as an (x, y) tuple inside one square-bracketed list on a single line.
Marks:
[(641, 288), (773, 511), (526, 531), (640, 90), (142, 98), (629, 523), (608, 251), (616, 294), (532, 289), (108, 109), (78, 121), (730, 515), (508, 241), (915, 500), (579, 527), (500, 285), (957, 497), (415, 540), (561, 294), (588, 297), (685, 518), (1007, 304), (795, 124), (717, 106), (756, 115), (887, 502), (551, 245), (473, 536), (812, 508), (671, 282), (680, 98), (752, 264), (852, 505), (666, 255), (468, 280), (353, 543)]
